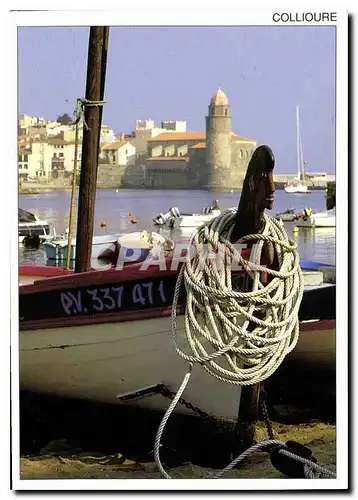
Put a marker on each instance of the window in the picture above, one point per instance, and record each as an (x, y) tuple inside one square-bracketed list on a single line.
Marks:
[(126, 151), (240, 153), (225, 112), (19, 158), (61, 155), (25, 166), (20, 166), (25, 157)]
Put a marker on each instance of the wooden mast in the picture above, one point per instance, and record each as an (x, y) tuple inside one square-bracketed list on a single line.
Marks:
[(96, 72)]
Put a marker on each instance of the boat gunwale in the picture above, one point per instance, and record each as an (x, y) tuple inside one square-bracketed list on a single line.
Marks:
[(94, 277), (152, 313)]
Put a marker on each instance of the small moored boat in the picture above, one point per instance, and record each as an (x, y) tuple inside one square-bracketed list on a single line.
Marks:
[(31, 225), (56, 249), (196, 220), (311, 219)]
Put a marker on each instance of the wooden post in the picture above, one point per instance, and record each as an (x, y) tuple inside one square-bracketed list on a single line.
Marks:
[(96, 70), (73, 197), (256, 196)]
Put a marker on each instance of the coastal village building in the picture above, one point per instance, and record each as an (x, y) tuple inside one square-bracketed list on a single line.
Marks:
[(146, 130), (46, 150), (119, 152), (46, 159)]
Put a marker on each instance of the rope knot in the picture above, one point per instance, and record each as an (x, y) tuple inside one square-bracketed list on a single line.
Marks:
[(81, 105)]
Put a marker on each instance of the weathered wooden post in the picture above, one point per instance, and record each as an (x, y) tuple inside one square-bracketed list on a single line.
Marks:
[(96, 71), (256, 196)]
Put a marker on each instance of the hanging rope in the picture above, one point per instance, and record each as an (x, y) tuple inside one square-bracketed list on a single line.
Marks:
[(81, 105), (238, 337)]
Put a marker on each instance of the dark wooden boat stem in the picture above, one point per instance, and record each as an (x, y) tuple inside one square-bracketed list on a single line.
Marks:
[(96, 71), (256, 196)]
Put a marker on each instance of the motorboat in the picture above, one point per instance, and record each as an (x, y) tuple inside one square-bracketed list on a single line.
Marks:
[(196, 220), (174, 218), (167, 218), (30, 225), (311, 219)]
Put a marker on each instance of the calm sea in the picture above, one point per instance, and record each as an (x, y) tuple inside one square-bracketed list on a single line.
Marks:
[(113, 208)]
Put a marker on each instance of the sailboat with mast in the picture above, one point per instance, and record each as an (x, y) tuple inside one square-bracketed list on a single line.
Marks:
[(299, 185)]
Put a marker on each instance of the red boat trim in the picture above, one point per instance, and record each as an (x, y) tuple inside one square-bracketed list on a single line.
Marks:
[(325, 324), (45, 271), (93, 278)]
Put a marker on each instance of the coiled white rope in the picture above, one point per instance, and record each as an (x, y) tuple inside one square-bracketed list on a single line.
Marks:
[(219, 319)]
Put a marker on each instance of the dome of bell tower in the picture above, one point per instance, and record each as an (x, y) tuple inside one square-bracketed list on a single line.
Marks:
[(219, 98)]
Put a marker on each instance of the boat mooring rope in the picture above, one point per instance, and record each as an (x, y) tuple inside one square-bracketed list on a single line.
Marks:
[(238, 337)]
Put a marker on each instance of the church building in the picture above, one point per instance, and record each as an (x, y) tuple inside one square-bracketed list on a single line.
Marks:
[(216, 159)]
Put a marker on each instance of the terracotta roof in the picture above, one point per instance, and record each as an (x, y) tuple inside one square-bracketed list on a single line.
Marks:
[(167, 158), (114, 145), (200, 145), (191, 136), (178, 136), (239, 138), (57, 142)]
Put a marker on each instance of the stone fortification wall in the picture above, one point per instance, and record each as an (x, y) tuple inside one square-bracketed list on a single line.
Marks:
[(115, 176)]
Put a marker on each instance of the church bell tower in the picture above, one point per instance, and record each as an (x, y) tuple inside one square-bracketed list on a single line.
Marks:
[(218, 141)]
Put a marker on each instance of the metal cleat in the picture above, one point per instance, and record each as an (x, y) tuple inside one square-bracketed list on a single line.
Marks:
[(151, 390)]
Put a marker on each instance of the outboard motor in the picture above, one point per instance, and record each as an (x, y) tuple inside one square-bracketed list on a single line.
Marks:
[(206, 210), (162, 219), (32, 241)]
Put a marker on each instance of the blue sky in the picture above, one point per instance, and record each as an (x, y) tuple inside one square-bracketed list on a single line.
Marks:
[(170, 73)]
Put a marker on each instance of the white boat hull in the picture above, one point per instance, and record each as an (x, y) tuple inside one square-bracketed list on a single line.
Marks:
[(297, 189), (37, 228), (57, 249), (195, 220), (320, 219), (101, 362)]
